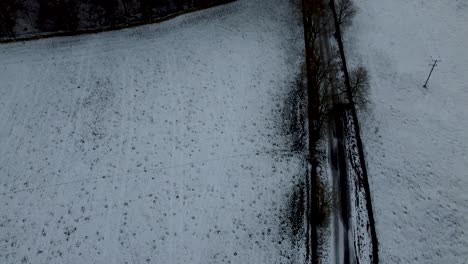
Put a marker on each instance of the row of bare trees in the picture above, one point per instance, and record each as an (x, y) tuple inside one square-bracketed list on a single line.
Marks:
[(323, 71), (69, 15), (58, 15), (325, 88), (316, 25), (357, 85), (7, 17), (359, 79)]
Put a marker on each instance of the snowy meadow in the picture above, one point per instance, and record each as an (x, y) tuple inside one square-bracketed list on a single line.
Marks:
[(162, 143)]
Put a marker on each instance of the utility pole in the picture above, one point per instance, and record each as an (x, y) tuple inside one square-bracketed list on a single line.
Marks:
[(433, 66)]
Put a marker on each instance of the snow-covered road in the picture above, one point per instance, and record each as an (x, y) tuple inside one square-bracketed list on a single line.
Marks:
[(157, 144)]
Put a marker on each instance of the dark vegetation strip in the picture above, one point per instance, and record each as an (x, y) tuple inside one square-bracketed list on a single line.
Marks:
[(113, 27), (312, 186), (349, 92), (316, 71)]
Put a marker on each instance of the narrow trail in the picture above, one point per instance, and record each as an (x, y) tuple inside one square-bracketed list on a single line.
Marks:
[(343, 242)]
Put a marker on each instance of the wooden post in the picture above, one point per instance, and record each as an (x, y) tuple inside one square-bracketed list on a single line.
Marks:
[(433, 66)]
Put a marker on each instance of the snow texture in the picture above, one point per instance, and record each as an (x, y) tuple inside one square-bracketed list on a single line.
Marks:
[(416, 139), (157, 144), (359, 215)]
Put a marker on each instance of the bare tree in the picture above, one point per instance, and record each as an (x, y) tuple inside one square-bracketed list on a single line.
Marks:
[(7, 17), (324, 78), (146, 9), (320, 71), (359, 80), (345, 11), (107, 11), (318, 21), (360, 87), (71, 10), (325, 196), (316, 25), (55, 15)]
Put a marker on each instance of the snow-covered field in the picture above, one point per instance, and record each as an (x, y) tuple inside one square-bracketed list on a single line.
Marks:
[(416, 139), (157, 144)]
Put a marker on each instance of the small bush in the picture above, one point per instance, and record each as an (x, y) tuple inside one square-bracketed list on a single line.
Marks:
[(325, 203)]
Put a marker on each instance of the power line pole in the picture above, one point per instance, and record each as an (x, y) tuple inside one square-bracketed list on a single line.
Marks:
[(433, 66)]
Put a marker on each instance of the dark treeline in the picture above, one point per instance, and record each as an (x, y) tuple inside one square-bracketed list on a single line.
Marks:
[(32, 17)]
